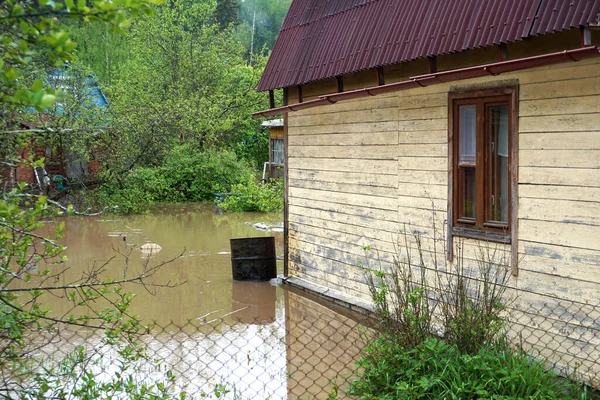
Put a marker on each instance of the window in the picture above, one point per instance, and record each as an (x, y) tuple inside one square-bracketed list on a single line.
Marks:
[(483, 159), (277, 151)]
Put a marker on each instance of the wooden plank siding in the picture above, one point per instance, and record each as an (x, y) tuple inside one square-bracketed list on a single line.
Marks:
[(363, 172)]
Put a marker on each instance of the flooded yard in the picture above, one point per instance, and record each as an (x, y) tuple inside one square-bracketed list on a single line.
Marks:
[(221, 338)]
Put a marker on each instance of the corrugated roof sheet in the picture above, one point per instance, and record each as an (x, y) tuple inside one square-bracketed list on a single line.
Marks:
[(324, 38)]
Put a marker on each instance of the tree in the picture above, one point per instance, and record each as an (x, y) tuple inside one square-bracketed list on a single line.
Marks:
[(32, 39), (99, 49), (226, 13), (185, 81), (260, 23), (31, 31)]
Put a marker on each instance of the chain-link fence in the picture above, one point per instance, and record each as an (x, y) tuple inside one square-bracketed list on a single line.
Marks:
[(299, 348), (564, 333), (305, 352), (307, 348)]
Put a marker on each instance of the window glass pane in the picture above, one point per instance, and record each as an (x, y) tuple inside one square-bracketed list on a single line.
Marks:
[(467, 125), (468, 195), (277, 148), (498, 120)]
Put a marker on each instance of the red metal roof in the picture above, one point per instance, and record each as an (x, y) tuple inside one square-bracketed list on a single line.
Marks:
[(324, 38)]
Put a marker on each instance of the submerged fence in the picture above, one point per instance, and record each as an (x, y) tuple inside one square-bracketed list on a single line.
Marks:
[(307, 349)]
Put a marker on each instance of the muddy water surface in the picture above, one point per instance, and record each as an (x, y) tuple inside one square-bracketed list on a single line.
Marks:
[(194, 242)]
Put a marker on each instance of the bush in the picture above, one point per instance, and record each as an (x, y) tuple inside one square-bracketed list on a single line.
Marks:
[(197, 176), (441, 332), (255, 197), (137, 191), (417, 299), (435, 369), (186, 175)]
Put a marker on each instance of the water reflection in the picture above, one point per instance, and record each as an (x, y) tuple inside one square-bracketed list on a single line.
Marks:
[(304, 352), (323, 343), (254, 302)]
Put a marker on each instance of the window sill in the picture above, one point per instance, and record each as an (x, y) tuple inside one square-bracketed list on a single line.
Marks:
[(482, 235)]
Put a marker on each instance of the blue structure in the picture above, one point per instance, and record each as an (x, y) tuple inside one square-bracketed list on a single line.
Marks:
[(94, 97), (86, 91)]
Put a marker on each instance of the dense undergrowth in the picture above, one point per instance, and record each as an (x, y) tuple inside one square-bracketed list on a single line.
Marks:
[(253, 196), (436, 369), (188, 176), (442, 333)]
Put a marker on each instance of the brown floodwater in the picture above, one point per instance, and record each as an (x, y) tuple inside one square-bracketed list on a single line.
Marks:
[(194, 243), (221, 338)]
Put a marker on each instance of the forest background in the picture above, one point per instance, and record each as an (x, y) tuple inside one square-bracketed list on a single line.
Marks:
[(180, 87)]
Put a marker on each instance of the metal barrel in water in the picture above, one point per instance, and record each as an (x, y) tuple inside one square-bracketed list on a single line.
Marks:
[(253, 259)]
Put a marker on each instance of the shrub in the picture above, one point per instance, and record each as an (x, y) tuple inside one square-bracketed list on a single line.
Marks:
[(127, 200), (415, 300), (255, 197), (441, 332), (186, 175), (434, 369), (197, 176)]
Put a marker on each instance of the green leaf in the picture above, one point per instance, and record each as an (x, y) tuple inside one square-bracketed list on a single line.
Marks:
[(17, 10), (12, 74), (37, 85), (47, 100)]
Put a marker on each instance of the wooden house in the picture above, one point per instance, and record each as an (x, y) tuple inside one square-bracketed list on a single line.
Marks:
[(473, 120)]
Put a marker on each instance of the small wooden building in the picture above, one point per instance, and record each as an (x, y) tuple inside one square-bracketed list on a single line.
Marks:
[(274, 168), (478, 121)]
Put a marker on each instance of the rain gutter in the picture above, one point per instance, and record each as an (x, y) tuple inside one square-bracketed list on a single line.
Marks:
[(442, 77), (292, 107)]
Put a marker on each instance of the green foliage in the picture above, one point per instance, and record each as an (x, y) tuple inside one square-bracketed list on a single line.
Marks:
[(185, 81), (197, 176), (441, 333), (186, 175), (177, 78), (267, 17), (33, 40), (135, 196), (253, 146), (253, 196), (99, 49), (31, 32), (415, 299), (434, 369), (26, 325), (19, 315), (226, 13), (74, 377)]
